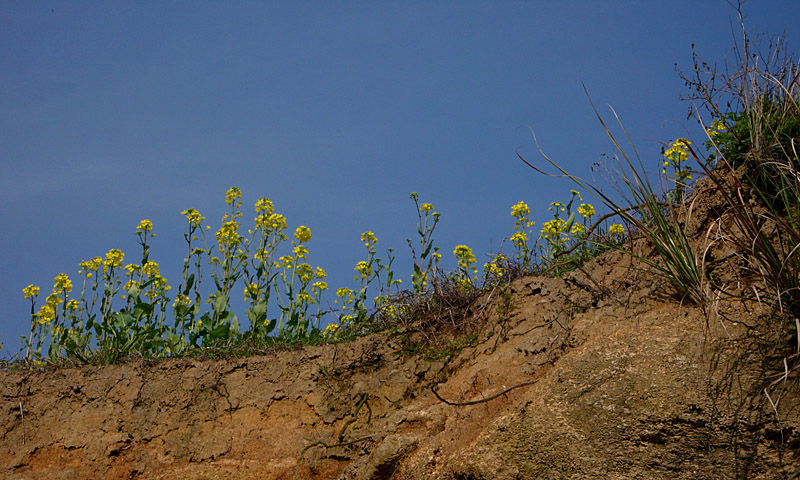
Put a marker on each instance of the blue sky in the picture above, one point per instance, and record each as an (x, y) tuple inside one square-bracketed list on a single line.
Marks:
[(111, 112)]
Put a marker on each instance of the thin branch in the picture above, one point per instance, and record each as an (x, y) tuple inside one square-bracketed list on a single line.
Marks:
[(483, 400)]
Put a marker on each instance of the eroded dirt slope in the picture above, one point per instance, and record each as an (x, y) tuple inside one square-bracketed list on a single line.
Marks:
[(605, 378)]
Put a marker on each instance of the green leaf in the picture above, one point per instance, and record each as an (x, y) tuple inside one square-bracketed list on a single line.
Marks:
[(220, 302), (142, 309), (189, 284), (257, 315)]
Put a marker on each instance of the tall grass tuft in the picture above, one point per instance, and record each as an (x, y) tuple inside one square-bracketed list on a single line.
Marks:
[(754, 139), (660, 221)]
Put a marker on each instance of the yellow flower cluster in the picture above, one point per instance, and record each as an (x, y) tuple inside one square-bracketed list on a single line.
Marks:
[(284, 261), (300, 251), (193, 216), (251, 292), (519, 239), (554, 231), (347, 295), (114, 259), (716, 128), (465, 257), (578, 229), (273, 221), (232, 195), (319, 287), (364, 269), (264, 206), (304, 297), (331, 331), (617, 229), (520, 210), (47, 312), (90, 266), (370, 239), (228, 235), (305, 272), (493, 268), (130, 286), (676, 154), (31, 291), (302, 234), (426, 207), (150, 268), (181, 299), (144, 226), (586, 210), (62, 284)]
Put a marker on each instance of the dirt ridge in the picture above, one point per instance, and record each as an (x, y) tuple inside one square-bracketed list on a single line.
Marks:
[(629, 383)]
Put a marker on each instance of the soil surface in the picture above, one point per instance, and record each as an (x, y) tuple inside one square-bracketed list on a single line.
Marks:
[(596, 374)]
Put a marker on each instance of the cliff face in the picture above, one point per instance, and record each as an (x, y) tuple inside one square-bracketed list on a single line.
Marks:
[(599, 373)]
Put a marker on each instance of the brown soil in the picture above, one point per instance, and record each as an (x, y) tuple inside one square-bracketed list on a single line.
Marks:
[(614, 379)]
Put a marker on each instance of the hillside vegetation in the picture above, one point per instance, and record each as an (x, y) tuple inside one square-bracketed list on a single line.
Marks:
[(659, 340)]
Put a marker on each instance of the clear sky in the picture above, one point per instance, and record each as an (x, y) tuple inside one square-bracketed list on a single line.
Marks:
[(112, 112)]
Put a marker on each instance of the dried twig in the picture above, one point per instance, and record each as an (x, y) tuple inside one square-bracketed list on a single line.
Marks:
[(22, 416), (483, 400)]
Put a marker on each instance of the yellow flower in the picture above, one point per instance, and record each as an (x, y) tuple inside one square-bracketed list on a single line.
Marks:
[(46, 314), (716, 128), (304, 297), (72, 305), (150, 268), (426, 207), (586, 210), (114, 259), (302, 234), (679, 151), (319, 287), (228, 235), (285, 261), (437, 257), (144, 226), (193, 216), (251, 292), (576, 193), (520, 210), (53, 299), (617, 229), (519, 239), (492, 268), (305, 272), (331, 330), (274, 221), (31, 291), (62, 283), (557, 205), (369, 238), (91, 265), (346, 295), (553, 228), (232, 194), (363, 268), (578, 229), (181, 299), (264, 206), (300, 251), (320, 273), (464, 255)]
